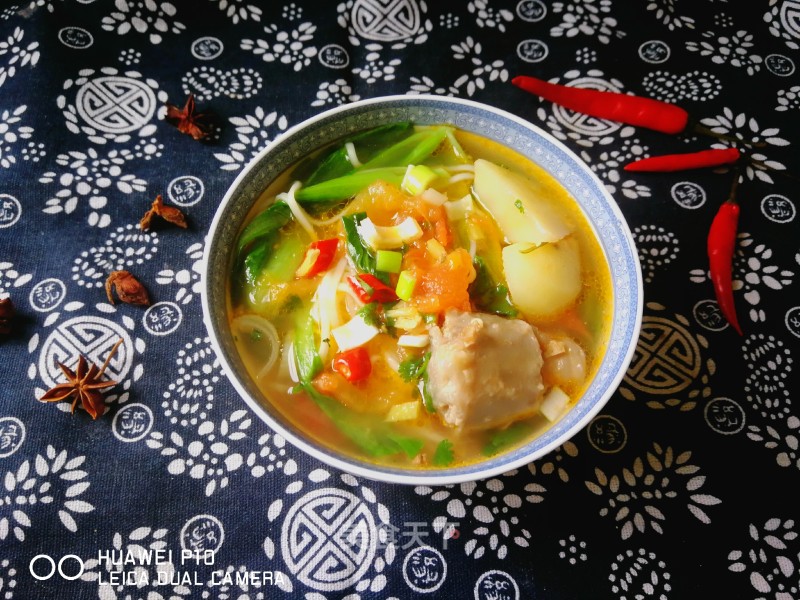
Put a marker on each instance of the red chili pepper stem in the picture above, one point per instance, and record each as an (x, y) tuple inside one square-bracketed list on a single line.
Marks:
[(721, 245)]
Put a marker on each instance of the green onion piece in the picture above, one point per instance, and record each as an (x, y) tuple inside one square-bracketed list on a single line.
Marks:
[(388, 261), (417, 179), (405, 285)]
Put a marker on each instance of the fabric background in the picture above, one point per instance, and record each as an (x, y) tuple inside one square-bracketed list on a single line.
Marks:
[(684, 486)]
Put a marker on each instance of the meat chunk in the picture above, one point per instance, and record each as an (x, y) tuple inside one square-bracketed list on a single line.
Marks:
[(484, 370)]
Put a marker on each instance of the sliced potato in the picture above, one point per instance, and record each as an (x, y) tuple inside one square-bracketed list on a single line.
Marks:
[(545, 280), (518, 205)]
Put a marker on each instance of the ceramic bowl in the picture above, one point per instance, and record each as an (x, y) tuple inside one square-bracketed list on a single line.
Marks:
[(522, 136)]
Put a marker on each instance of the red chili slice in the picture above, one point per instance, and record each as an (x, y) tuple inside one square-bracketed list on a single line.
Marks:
[(354, 364), (369, 288), (318, 258)]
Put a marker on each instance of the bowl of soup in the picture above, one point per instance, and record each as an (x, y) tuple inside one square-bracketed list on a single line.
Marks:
[(421, 290)]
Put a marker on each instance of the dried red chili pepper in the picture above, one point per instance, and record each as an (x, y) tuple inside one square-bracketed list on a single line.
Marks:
[(721, 245), (168, 213), (714, 157), (633, 110), (128, 288), (7, 313), (197, 125)]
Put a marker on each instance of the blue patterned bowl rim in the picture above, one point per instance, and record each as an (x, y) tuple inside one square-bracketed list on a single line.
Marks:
[(524, 137)]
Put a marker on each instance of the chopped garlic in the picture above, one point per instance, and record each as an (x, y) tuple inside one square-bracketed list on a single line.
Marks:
[(414, 341), (356, 332)]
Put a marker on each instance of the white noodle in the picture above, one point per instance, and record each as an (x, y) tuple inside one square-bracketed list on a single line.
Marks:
[(299, 214), (460, 177), (460, 168), (351, 154)]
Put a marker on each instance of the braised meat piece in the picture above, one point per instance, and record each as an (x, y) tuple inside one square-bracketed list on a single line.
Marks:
[(484, 370)]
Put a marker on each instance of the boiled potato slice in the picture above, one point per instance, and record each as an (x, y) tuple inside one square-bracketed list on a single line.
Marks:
[(543, 281), (518, 205)]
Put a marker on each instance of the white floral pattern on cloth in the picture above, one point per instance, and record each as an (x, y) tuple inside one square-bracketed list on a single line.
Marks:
[(14, 54), (698, 86), (10, 277), (332, 535), (200, 444), (666, 11), (641, 496), (52, 481), (294, 48), (110, 105), (754, 272), (482, 73), (770, 559), (92, 177), (609, 166), (126, 247), (748, 132), (735, 49), (640, 574), (586, 17), (376, 67), (254, 132), (8, 581), (488, 16), (492, 507), (145, 17), (187, 279), (74, 331), (335, 93), (11, 132), (769, 364), (239, 10), (207, 83), (657, 248), (788, 99)]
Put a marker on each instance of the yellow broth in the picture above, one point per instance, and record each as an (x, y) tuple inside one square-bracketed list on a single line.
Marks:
[(370, 400)]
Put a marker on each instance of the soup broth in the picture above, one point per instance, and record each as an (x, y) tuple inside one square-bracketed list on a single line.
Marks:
[(422, 297)]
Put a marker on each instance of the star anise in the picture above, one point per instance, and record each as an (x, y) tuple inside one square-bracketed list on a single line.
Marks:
[(168, 213), (197, 125), (7, 313), (129, 289), (83, 385)]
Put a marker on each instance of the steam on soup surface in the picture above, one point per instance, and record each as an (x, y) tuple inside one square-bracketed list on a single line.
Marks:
[(419, 296)]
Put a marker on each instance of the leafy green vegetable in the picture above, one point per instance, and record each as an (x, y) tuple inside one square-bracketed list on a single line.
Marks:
[(361, 256), (505, 438), (266, 223), (349, 185), (487, 294), (412, 369), (305, 348), (371, 314), (366, 143), (411, 446), (376, 439), (443, 456), (410, 151)]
